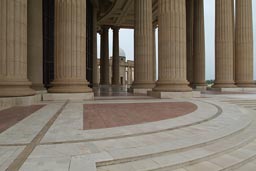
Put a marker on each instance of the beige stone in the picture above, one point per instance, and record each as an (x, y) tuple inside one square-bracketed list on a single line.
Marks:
[(190, 38), (198, 45), (172, 47), (244, 44), (143, 64), (35, 43), (224, 44), (13, 49), (70, 51)]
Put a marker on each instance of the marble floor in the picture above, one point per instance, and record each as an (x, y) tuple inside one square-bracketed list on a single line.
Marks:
[(125, 132)]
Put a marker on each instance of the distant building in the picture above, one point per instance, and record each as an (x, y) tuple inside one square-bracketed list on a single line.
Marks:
[(126, 69)]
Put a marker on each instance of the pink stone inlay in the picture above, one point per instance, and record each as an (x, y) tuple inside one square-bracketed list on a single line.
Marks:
[(113, 115), (13, 115)]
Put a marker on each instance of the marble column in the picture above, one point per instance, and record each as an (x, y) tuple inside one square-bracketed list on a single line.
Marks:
[(35, 43), (224, 44), (172, 47), (154, 54), (104, 67), (13, 49), (244, 44), (70, 47), (94, 53), (115, 59), (199, 45), (190, 38), (143, 45)]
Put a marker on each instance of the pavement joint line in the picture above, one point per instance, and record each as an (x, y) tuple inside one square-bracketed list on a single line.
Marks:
[(22, 157), (217, 114)]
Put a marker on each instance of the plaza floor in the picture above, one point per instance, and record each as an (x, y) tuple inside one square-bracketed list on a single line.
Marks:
[(125, 132)]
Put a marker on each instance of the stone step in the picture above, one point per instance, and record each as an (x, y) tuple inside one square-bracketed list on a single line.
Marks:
[(239, 160), (180, 156), (183, 138), (173, 160)]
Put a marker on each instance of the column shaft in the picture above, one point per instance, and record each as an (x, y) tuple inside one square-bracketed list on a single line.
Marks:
[(172, 46), (69, 50), (94, 53), (13, 49), (244, 43), (143, 45), (154, 54), (199, 45), (224, 39), (115, 60), (190, 38), (105, 56)]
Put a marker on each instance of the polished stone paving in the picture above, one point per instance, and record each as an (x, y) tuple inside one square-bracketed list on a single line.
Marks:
[(213, 133)]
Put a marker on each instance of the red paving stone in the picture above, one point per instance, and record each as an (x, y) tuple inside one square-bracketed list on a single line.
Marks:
[(13, 115), (98, 116)]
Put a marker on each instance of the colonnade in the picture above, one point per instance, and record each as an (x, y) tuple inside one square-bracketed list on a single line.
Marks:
[(181, 47)]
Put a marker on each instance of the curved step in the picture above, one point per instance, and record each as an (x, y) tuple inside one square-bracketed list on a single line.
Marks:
[(187, 157), (75, 134), (231, 130)]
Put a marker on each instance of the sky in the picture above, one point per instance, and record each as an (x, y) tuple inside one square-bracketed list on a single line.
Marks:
[(126, 39)]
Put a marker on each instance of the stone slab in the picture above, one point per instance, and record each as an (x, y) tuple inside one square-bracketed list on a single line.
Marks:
[(140, 91), (236, 89), (67, 96), (170, 95), (7, 102)]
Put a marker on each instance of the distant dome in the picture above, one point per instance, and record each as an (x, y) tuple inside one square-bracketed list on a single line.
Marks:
[(121, 52)]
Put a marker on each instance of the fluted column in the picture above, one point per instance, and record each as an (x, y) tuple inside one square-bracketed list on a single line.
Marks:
[(172, 46), (244, 44), (115, 61), (224, 39), (199, 45), (13, 49), (154, 54), (143, 45), (94, 53), (104, 68), (69, 50), (190, 38)]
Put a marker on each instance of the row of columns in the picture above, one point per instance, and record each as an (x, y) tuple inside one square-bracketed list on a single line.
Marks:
[(226, 57), (70, 43), (104, 57)]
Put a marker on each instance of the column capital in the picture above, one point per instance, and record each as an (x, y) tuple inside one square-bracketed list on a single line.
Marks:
[(116, 28)]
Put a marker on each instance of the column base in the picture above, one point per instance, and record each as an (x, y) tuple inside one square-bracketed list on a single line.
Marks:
[(236, 89), (69, 87), (38, 87), (6, 102), (171, 95), (67, 96), (141, 88), (224, 85), (250, 84), (139, 91), (16, 89), (200, 86), (95, 85), (172, 87)]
